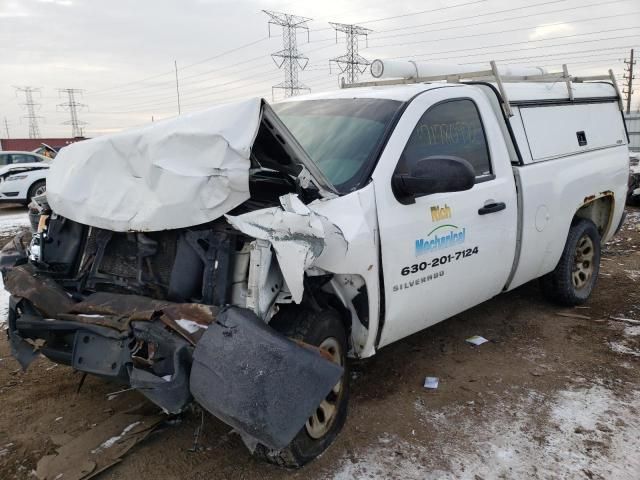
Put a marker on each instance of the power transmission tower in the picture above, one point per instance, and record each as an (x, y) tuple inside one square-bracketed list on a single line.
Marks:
[(32, 106), (6, 127), (629, 80), (351, 64), (72, 107), (289, 58)]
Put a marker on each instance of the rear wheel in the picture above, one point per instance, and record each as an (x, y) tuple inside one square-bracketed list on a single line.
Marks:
[(38, 188), (573, 279), (325, 330)]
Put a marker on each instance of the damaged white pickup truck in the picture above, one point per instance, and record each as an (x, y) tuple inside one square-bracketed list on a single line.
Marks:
[(236, 257)]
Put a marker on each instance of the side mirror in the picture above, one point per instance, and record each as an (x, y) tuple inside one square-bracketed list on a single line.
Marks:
[(434, 175)]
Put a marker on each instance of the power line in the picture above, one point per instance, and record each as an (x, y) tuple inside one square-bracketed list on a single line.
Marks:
[(590, 19), (496, 32), (352, 64), (198, 94), (629, 80), (289, 57), (199, 62), (413, 14), (494, 12), (72, 106), (167, 84), (429, 54), (150, 104), (547, 55), (32, 106)]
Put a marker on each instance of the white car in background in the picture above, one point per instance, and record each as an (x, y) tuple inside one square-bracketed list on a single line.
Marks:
[(22, 176)]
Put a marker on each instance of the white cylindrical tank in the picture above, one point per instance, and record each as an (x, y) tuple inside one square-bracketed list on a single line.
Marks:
[(411, 69)]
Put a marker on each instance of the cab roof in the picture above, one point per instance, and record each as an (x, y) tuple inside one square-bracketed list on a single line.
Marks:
[(517, 92)]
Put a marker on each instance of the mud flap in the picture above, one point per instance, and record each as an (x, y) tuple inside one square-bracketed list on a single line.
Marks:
[(258, 381)]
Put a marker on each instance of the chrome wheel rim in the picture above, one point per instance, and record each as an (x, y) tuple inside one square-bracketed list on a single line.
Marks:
[(583, 262), (320, 422)]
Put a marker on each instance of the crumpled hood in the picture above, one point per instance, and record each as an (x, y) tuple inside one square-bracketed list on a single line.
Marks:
[(171, 174)]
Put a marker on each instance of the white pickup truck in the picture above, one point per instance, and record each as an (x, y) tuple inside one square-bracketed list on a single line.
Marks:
[(181, 257)]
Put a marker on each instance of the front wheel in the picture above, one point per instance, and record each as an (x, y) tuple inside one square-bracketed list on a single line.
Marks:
[(573, 279), (325, 330)]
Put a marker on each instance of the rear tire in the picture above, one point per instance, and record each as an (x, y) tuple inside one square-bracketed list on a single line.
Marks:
[(326, 330), (38, 188), (574, 278)]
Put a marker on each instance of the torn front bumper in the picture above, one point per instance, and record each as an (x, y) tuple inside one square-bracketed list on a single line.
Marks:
[(237, 367), (146, 356)]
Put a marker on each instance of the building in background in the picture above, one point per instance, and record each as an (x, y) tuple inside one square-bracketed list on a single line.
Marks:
[(43, 146), (633, 129)]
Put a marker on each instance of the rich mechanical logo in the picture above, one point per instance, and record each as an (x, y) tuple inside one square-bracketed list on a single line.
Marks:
[(439, 213), (444, 236)]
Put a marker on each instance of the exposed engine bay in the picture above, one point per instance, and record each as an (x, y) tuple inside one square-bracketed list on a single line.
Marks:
[(173, 294), (179, 313)]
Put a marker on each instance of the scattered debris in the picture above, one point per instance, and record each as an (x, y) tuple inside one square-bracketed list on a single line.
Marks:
[(196, 447), (431, 382), (113, 440), (633, 274), (97, 449), (628, 320), (476, 340), (573, 315), (112, 395)]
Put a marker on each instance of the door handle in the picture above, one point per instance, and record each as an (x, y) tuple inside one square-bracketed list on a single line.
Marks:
[(492, 208)]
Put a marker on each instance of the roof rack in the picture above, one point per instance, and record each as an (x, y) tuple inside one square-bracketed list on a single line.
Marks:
[(493, 75)]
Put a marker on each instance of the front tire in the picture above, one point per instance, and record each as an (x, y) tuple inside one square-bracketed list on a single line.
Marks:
[(325, 330), (574, 278)]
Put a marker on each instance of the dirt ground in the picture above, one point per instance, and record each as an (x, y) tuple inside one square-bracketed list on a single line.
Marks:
[(549, 396)]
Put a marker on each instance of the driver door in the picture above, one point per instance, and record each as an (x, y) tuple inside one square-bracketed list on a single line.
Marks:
[(447, 251)]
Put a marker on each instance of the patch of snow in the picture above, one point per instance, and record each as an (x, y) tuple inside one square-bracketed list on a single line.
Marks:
[(575, 433), (4, 304), (632, 331), (623, 349), (13, 223)]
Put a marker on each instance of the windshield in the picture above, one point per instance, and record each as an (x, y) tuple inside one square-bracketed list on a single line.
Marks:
[(340, 135)]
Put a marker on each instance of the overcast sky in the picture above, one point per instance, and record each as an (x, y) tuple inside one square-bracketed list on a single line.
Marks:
[(121, 53)]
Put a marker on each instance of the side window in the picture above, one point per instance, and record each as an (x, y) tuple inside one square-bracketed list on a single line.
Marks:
[(451, 128), (4, 159), (22, 158)]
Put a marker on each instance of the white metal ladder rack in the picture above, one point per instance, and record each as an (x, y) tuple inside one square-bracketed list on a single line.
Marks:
[(493, 75)]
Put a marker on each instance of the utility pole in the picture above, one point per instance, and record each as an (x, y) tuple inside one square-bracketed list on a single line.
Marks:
[(175, 64), (32, 106), (289, 58), (351, 64), (72, 107), (629, 80), (6, 127)]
